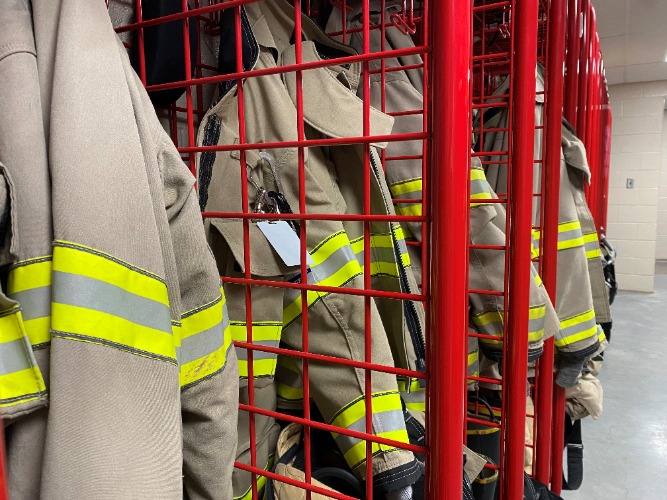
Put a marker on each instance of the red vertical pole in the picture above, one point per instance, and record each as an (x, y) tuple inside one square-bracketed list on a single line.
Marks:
[(451, 108), (520, 210), (551, 198), (582, 82), (576, 116), (4, 495), (572, 65)]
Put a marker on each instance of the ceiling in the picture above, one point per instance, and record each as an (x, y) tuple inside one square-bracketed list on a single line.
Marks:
[(633, 38)]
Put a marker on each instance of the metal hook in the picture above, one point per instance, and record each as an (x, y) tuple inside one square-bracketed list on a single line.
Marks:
[(404, 22)]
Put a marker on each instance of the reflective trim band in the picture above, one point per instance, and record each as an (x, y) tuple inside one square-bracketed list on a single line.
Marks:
[(86, 261), (334, 265), (535, 275), (399, 241), (388, 422), (601, 335), (264, 333), (383, 254), (577, 328), (480, 189), (592, 245), (20, 378), (289, 385), (410, 189), (205, 338), (100, 299), (261, 482), (29, 284), (413, 394), (569, 236), (409, 186), (491, 323)]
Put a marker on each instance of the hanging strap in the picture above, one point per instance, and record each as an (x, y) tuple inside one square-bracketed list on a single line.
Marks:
[(575, 455)]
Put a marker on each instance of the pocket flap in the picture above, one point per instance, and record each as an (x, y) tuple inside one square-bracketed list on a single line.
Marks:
[(264, 261)]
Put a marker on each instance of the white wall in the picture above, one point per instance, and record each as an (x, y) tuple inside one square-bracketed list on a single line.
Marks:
[(636, 153), (661, 242)]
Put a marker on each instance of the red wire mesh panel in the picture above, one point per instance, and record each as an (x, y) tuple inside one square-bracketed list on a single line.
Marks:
[(306, 125)]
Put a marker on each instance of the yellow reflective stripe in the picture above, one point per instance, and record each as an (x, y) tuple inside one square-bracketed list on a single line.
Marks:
[(578, 319), (387, 415), (568, 226), (577, 328), (491, 323), (352, 412), (569, 236), (11, 325), (356, 455), (85, 261), (473, 357), (479, 187), (29, 274), (601, 335), (261, 482), (266, 333), (404, 209), (20, 378), (100, 299), (39, 330), (592, 244), (29, 284), (289, 385), (406, 186), (477, 174), (205, 337), (87, 325)]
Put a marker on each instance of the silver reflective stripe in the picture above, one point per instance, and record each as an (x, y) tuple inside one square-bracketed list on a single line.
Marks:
[(89, 293), (202, 344), (580, 327), (418, 396), (536, 324), (572, 234), (35, 303), (324, 270), (14, 356), (385, 421), (242, 352), (479, 186)]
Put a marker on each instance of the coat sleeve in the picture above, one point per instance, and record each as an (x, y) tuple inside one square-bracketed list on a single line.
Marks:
[(208, 367), (487, 272)]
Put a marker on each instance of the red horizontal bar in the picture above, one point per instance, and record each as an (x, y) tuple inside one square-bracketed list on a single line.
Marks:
[(398, 68), (332, 360), (486, 379), (323, 63), (293, 482), (488, 247), (484, 57), (483, 422), (328, 289), (309, 143), (182, 15), (316, 217), (486, 292), (406, 157), (406, 113), (490, 6)]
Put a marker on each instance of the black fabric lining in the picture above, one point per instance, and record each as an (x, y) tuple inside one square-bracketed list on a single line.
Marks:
[(211, 137), (227, 54)]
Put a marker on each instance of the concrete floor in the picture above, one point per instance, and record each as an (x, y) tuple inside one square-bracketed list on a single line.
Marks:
[(625, 450)]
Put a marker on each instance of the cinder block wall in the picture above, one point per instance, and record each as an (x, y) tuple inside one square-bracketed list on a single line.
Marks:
[(636, 153), (661, 241)]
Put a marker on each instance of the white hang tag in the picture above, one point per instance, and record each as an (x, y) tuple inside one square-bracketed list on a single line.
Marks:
[(284, 241)]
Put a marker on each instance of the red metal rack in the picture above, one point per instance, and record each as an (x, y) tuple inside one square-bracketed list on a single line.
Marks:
[(465, 48)]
